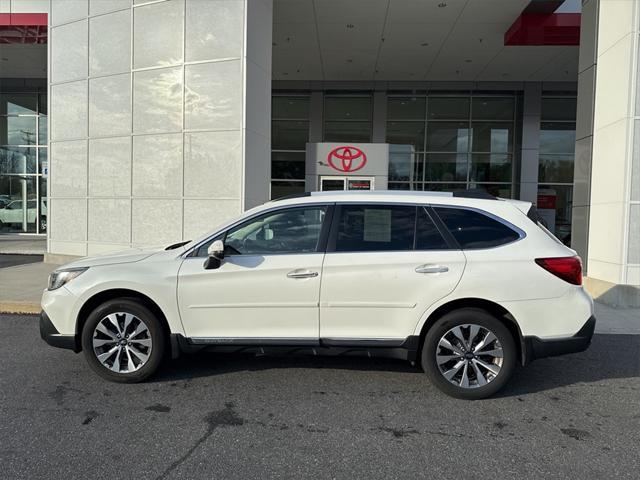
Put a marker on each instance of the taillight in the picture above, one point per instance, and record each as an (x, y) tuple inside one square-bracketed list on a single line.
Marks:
[(568, 269)]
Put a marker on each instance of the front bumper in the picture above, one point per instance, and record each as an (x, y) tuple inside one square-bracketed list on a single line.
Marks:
[(539, 348), (50, 335)]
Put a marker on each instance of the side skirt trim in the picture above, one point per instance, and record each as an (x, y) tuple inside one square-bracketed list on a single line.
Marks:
[(402, 348)]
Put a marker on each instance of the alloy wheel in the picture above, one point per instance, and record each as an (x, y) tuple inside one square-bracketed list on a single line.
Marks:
[(122, 342), (469, 356)]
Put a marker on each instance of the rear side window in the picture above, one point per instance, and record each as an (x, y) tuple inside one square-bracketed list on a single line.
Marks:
[(473, 229), (365, 228)]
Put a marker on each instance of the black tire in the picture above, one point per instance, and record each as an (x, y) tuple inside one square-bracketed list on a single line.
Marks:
[(485, 320), (156, 335)]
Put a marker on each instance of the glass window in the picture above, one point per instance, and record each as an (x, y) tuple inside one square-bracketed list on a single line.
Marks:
[(402, 162), (332, 184), (444, 187), (347, 132), (42, 103), (42, 130), (18, 130), (366, 228), (294, 230), (448, 108), (399, 186), (17, 160), (14, 217), (406, 133), (43, 161), (287, 165), (347, 108), (555, 168), (22, 164), (490, 168), (406, 108), (289, 134), (427, 235), (446, 167), (559, 108), (492, 108), (448, 136), (18, 104), (473, 229), (281, 188), (290, 108), (492, 137), (497, 190), (554, 208), (44, 204), (557, 137)]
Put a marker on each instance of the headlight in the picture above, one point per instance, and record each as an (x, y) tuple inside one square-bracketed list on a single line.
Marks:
[(61, 277)]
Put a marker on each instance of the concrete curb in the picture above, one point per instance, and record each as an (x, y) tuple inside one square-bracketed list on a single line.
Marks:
[(28, 308)]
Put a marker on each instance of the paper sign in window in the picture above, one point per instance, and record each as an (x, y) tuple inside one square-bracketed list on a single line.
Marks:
[(377, 225)]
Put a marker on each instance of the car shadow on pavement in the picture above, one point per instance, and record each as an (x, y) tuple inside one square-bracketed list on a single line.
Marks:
[(609, 356)]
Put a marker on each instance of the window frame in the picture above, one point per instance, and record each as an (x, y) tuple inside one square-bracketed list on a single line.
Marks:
[(335, 225)]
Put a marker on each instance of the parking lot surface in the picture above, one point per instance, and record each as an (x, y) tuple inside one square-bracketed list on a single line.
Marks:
[(8, 260), (213, 416)]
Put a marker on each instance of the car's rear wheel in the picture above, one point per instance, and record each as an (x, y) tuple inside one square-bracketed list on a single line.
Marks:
[(469, 354), (123, 341)]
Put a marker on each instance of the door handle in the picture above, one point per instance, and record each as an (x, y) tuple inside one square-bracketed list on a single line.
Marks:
[(430, 268), (300, 273)]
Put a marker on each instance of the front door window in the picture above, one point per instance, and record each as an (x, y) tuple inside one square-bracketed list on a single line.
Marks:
[(295, 230)]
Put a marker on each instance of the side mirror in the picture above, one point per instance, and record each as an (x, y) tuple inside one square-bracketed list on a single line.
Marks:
[(216, 254)]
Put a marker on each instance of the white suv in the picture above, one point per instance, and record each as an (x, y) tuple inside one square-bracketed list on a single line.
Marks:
[(468, 287)]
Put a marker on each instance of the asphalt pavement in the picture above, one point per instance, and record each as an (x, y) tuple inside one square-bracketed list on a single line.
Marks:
[(212, 416), (10, 260)]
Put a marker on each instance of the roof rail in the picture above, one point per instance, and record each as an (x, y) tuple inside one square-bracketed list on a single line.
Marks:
[(474, 193)]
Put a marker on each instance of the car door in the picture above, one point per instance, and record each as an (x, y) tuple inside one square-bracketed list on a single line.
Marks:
[(385, 266), (267, 288), (12, 213)]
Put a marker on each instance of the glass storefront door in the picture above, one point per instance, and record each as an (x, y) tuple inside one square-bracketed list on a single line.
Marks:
[(23, 162), (333, 183)]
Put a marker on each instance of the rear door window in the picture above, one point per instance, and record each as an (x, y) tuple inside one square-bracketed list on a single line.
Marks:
[(473, 229), (366, 228), (427, 235)]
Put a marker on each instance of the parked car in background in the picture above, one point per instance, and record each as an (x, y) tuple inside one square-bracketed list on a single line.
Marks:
[(13, 213), (466, 287)]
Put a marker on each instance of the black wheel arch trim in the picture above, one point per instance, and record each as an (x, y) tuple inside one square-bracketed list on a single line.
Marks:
[(489, 306)]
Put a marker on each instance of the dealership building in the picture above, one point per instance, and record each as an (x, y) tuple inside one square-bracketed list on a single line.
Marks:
[(128, 123)]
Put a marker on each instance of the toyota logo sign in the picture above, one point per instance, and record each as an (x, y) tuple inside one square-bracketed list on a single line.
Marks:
[(347, 159)]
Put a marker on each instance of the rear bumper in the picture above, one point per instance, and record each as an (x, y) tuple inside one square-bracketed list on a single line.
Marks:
[(539, 348), (50, 335)]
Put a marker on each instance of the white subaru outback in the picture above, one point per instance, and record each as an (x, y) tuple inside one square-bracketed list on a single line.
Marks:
[(467, 287)]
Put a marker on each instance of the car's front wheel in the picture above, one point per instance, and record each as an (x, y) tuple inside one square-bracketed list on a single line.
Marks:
[(123, 341), (469, 354)]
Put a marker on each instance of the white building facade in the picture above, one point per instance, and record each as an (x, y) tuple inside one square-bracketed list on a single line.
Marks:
[(157, 120)]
